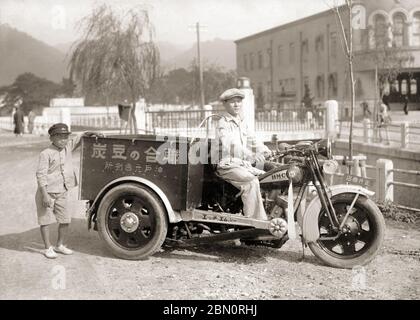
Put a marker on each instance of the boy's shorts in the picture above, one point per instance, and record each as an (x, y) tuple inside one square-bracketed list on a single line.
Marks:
[(56, 212)]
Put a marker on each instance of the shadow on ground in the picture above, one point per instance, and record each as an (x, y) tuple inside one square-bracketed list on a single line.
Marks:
[(87, 242)]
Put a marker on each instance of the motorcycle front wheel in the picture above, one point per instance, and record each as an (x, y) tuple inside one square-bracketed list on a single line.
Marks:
[(363, 236)]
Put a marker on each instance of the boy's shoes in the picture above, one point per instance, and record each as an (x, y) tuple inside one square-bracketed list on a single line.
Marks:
[(62, 249), (50, 253)]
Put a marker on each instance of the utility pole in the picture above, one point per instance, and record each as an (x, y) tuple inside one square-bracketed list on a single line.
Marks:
[(200, 67)]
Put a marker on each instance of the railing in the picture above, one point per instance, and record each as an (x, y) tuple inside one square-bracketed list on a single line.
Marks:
[(95, 120), (391, 183), (290, 120), (403, 135), (382, 181), (184, 122)]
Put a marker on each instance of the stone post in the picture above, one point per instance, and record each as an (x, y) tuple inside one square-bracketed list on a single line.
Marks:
[(384, 176), (248, 103), (65, 116), (367, 132), (140, 113), (331, 118), (404, 135)]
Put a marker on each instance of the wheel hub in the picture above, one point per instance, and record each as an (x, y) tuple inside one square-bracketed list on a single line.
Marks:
[(351, 226), (129, 222), (278, 227)]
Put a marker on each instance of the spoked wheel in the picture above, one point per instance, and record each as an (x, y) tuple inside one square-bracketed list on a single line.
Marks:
[(132, 221), (363, 233)]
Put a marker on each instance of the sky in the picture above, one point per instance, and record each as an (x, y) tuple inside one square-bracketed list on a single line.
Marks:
[(54, 21)]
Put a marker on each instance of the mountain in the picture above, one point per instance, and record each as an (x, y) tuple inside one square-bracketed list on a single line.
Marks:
[(20, 53), (218, 51)]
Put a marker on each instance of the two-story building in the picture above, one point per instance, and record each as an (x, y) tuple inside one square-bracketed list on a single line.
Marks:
[(309, 52)]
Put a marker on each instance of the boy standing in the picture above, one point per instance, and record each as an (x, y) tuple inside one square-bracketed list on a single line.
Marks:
[(55, 176)]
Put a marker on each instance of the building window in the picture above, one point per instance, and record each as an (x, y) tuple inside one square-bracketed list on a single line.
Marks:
[(260, 60), (319, 44), (292, 53), (404, 87), (280, 55), (251, 61), (386, 88), (320, 86), (416, 29), (305, 50), (399, 30), (395, 86), (381, 30), (333, 37), (413, 86), (332, 85), (246, 62)]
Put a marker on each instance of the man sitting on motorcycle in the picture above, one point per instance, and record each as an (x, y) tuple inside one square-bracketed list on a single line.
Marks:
[(235, 154)]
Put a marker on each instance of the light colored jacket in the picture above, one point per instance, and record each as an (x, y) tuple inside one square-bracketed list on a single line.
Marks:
[(235, 143), (55, 168)]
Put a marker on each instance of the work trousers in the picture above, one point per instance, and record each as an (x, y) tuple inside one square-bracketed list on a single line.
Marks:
[(243, 176)]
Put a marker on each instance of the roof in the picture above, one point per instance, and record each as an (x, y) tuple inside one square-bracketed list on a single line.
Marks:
[(288, 25)]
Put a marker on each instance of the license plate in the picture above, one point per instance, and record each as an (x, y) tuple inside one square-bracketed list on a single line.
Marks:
[(361, 181)]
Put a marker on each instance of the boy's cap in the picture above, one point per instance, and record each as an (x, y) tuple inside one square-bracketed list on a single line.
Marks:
[(231, 93), (58, 128)]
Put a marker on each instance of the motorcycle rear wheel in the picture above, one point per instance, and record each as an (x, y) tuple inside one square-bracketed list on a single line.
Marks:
[(358, 246)]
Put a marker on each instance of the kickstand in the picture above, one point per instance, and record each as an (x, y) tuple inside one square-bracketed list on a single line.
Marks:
[(303, 250)]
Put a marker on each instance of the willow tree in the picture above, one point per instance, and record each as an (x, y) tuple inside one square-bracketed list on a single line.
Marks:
[(116, 56)]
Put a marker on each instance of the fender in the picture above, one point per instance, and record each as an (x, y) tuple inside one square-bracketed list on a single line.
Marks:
[(173, 216), (310, 230)]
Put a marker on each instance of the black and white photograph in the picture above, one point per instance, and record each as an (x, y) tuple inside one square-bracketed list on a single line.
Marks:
[(230, 152)]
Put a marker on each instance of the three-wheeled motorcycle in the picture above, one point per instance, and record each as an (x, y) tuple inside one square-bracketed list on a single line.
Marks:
[(142, 191)]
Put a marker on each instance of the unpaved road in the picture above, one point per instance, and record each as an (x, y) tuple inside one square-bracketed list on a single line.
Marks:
[(218, 271)]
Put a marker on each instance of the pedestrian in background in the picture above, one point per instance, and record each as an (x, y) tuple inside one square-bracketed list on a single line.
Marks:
[(31, 121), (383, 122), (406, 104), (19, 122)]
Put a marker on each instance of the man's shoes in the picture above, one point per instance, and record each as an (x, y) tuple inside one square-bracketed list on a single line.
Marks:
[(62, 249), (50, 253)]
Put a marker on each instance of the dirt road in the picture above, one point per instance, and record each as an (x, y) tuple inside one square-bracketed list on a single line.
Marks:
[(219, 271)]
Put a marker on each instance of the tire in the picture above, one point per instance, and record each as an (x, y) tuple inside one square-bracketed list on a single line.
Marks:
[(343, 252), (145, 226)]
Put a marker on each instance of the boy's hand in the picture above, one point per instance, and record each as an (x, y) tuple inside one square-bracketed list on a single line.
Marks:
[(46, 200)]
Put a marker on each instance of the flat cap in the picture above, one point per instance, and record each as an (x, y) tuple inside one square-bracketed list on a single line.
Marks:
[(231, 93), (58, 128)]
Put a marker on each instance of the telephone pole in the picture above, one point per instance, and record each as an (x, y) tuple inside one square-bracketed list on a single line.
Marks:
[(200, 67)]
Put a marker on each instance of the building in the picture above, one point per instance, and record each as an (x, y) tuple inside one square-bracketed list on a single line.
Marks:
[(308, 55)]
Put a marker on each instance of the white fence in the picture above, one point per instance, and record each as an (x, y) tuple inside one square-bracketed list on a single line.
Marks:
[(403, 135)]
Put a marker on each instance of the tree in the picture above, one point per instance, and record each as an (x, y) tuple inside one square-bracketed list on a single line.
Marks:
[(33, 92), (307, 100), (347, 42), (182, 85), (389, 60), (116, 57)]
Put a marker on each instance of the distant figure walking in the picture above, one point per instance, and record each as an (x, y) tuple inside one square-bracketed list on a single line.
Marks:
[(406, 104), (383, 122), (366, 111), (31, 121), (18, 120), (385, 100)]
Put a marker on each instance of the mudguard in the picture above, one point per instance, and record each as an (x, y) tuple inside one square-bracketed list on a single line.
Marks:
[(173, 216), (310, 230)]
